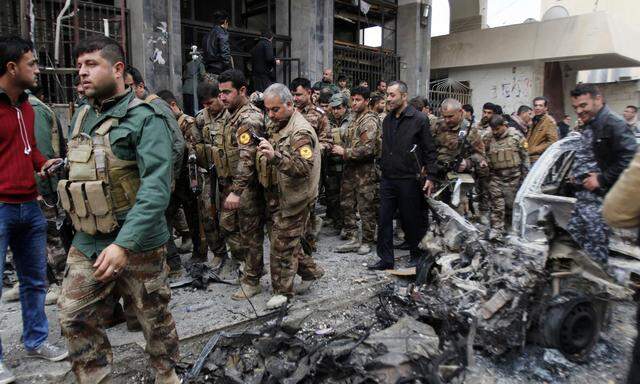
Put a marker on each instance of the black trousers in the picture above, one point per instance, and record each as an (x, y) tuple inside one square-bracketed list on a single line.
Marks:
[(405, 195), (187, 102)]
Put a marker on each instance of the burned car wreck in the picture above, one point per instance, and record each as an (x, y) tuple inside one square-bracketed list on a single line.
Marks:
[(472, 295), (537, 286)]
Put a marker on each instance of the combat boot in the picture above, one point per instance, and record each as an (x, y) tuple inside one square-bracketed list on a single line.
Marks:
[(277, 301), (350, 246), (344, 235), (12, 294), (246, 291), (186, 245), (364, 249)]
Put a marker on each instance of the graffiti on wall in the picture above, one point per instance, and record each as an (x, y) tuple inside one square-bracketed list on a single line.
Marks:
[(158, 41), (511, 93)]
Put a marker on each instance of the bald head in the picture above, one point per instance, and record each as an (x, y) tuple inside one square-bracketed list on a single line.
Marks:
[(327, 75)]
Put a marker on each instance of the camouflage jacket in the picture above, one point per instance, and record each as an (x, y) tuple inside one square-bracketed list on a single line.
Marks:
[(361, 139), (448, 143), (320, 123), (242, 123)]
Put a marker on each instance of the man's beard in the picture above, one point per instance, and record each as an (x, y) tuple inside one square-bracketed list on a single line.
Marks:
[(104, 91), (484, 121)]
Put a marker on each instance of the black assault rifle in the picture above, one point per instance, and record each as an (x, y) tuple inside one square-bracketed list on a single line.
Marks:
[(64, 227)]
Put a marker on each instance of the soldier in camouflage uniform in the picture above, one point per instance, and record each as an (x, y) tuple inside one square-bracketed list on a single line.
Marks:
[(482, 174), (289, 170), (234, 153), (448, 146), (117, 208), (339, 120), (209, 122), (378, 105), (301, 90), (359, 178), (509, 163)]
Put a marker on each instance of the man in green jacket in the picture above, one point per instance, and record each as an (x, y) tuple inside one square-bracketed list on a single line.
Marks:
[(118, 190)]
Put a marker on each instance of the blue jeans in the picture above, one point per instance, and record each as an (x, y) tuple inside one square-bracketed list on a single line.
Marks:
[(24, 229)]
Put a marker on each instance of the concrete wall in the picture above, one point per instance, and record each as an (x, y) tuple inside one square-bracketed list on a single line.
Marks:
[(467, 15), (508, 86), (619, 95), (156, 48), (312, 36), (414, 47)]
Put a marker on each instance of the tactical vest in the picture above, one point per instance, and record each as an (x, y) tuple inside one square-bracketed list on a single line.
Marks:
[(55, 130), (100, 185), (503, 153), (295, 193), (225, 152)]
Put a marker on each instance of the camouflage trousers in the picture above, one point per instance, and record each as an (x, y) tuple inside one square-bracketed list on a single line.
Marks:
[(503, 187), (359, 193), (286, 255), (84, 301), (332, 183), (483, 188), (212, 232), (588, 228), (243, 230)]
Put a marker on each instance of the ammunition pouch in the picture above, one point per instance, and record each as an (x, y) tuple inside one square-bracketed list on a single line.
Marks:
[(88, 204), (217, 157), (504, 158), (266, 173)]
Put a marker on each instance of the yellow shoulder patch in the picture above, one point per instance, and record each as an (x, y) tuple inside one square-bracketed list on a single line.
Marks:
[(525, 144), (245, 138), (306, 152)]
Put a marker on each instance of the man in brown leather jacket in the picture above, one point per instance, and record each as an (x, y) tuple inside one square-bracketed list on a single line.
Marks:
[(544, 131)]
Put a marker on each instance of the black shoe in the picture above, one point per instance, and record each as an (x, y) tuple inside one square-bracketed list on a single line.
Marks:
[(404, 246), (380, 266)]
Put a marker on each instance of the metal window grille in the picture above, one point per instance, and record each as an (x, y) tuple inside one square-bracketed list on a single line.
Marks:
[(360, 63), (442, 89), (57, 78)]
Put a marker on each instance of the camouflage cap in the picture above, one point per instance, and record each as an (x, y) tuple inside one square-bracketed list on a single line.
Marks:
[(336, 100)]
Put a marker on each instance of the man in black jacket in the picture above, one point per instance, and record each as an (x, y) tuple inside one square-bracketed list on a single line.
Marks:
[(263, 62), (606, 149), (217, 53), (400, 187)]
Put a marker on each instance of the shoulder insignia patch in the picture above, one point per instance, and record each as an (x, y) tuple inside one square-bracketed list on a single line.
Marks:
[(525, 145), (320, 110), (245, 138), (306, 152)]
